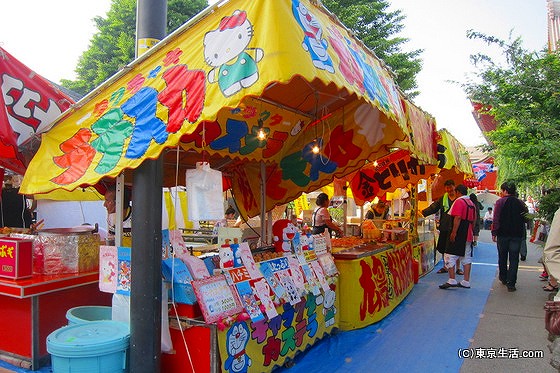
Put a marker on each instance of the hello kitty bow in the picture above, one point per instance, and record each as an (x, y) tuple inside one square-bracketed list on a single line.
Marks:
[(233, 21)]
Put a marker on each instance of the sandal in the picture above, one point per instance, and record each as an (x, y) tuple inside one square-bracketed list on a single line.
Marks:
[(442, 270), (459, 272), (549, 287)]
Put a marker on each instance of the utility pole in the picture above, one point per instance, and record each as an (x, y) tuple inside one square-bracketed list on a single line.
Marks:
[(146, 284)]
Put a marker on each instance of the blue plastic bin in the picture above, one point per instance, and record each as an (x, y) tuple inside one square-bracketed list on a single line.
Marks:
[(82, 314), (90, 347)]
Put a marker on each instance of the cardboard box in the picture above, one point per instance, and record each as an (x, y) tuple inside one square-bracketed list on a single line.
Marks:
[(16, 258)]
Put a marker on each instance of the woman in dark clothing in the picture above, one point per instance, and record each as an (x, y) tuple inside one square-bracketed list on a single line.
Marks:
[(14, 211), (476, 224)]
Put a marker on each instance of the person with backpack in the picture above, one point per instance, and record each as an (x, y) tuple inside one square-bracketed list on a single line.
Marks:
[(442, 206), (508, 231), (459, 247)]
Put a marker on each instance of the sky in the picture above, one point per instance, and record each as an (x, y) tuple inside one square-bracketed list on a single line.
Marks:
[(50, 36)]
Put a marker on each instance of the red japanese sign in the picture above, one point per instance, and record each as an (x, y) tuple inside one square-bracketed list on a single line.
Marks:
[(29, 105), (393, 171)]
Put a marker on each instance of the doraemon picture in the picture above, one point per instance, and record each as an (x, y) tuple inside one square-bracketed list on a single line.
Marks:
[(329, 309), (313, 40), (237, 338), (283, 232)]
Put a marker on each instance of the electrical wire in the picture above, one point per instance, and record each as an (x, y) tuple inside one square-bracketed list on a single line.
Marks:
[(172, 301)]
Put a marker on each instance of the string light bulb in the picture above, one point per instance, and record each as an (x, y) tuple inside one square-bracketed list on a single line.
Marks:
[(375, 164), (261, 133), (315, 149)]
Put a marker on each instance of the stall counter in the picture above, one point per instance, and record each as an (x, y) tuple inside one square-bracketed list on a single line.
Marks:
[(424, 253), (33, 308), (373, 280)]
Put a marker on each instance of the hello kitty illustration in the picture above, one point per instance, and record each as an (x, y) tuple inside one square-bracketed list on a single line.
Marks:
[(313, 40), (109, 272), (329, 310), (228, 44), (237, 339), (283, 232), (226, 257)]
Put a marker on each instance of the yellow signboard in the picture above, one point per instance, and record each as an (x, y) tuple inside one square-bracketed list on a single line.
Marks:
[(371, 287)]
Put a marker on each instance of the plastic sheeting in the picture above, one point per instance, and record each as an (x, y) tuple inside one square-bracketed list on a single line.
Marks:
[(204, 193)]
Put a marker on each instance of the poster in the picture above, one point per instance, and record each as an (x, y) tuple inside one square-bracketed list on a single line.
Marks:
[(108, 262), (216, 298), (124, 271)]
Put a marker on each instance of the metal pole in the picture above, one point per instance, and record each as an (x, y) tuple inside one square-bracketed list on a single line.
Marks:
[(119, 196), (263, 204), (145, 294)]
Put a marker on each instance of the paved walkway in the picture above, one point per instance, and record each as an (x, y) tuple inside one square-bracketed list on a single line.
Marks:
[(433, 329), (514, 320)]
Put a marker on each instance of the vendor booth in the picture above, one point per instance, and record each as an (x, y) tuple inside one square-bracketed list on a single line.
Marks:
[(375, 277), (278, 116), (33, 299)]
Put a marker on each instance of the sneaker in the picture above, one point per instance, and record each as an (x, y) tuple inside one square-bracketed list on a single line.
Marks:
[(464, 284), (511, 289)]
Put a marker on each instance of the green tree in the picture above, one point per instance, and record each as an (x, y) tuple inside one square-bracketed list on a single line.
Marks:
[(113, 46), (376, 26), (523, 95)]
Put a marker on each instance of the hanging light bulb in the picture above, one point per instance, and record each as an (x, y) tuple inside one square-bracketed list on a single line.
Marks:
[(315, 149), (261, 133)]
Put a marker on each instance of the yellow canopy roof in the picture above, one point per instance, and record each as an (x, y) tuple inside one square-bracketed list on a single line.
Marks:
[(213, 85)]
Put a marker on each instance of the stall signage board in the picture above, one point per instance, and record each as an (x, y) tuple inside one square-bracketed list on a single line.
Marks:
[(238, 274), (247, 346), (371, 287), (216, 298), (15, 258), (319, 244)]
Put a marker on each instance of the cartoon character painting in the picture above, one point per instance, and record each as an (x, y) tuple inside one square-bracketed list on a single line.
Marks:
[(226, 50), (109, 272), (283, 232), (226, 257), (313, 40), (237, 339), (329, 309)]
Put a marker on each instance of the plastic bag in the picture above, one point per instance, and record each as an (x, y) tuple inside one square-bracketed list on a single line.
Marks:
[(204, 193), (166, 343), (120, 310)]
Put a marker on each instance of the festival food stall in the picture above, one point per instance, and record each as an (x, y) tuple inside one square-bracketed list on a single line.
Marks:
[(33, 298), (377, 272), (279, 116)]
